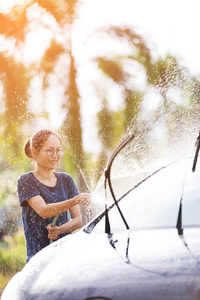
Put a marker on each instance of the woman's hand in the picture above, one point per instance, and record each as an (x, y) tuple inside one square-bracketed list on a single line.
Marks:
[(53, 232), (84, 198)]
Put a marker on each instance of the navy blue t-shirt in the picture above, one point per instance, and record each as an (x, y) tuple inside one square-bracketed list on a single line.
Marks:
[(35, 227)]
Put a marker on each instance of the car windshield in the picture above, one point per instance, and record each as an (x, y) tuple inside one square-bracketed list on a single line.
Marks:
[(155, 203)]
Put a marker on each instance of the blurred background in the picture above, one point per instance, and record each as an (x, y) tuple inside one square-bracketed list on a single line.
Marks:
[(93, 71)]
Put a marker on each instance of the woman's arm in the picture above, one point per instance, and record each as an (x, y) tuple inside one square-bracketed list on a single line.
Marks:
[(53, 209), (68, 227)]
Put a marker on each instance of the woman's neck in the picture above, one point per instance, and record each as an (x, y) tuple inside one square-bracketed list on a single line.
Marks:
[(45, 176)]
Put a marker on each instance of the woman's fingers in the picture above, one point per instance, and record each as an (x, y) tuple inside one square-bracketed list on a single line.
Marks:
[(53, 232)]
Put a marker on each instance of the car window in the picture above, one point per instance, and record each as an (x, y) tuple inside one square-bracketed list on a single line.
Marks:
[(155, 203)]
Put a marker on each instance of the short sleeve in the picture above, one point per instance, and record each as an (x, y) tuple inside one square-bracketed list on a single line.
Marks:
[(26, 189), (72, 188)]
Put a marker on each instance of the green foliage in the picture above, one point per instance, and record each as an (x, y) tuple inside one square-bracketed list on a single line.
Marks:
[(12, 256), (10, 212), (8, 181), (69, 164), (166, 72)]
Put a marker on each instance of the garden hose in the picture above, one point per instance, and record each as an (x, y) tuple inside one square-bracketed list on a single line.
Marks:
[(55, 220), (53, 225)]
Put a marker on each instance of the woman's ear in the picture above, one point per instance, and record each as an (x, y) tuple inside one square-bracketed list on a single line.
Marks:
[(34, 152)]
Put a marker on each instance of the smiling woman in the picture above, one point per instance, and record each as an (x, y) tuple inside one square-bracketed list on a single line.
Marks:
[(44, 194)]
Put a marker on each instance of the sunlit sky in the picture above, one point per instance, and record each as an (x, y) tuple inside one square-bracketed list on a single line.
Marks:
[(172, 26), (168, 26)]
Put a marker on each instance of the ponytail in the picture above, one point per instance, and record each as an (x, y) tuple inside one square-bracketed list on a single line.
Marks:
[(27, 148)]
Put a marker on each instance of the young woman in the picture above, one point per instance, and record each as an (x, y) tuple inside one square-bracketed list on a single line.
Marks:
[(44, 194)]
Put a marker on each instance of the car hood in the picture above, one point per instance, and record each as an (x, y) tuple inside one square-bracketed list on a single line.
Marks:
[(81, 266)]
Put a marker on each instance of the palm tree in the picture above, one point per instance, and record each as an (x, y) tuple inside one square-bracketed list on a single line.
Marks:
[(113, 67)]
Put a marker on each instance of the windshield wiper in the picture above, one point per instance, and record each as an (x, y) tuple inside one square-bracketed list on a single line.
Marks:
[(107, 178), (196, 153), (179, 225)]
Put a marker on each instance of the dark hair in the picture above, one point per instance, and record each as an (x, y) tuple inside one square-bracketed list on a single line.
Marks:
[(37, 141)]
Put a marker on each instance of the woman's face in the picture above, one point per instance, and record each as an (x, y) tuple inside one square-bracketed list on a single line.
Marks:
[(48, 156)]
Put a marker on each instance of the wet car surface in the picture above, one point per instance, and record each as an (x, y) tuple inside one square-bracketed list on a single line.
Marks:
[(153, 254)]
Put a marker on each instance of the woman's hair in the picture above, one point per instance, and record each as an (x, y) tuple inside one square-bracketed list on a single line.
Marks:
[(37, 141)]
